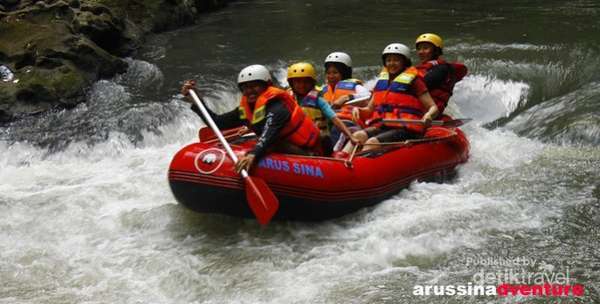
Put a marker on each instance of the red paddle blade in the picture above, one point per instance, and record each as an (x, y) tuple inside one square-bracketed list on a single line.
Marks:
[(206, 134), (460, 70), (262, 201), (456, 122)]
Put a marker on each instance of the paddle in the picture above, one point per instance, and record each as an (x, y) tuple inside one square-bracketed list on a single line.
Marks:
[(206, 134), (356, 100), (449, 123), (261, 199)]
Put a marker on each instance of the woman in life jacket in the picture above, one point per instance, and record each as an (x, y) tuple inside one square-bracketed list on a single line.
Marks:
[(271, 113), (302, 78), (398, 94), (439, 76), (341, 88)]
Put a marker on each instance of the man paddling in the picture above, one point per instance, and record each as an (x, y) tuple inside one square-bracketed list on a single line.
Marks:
[(269, 112)]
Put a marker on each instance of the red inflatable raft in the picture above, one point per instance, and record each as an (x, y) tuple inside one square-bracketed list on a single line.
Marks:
[(201, 175)]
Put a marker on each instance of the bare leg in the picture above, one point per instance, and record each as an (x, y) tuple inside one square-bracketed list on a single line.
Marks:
[(371, 144), (361, 136)]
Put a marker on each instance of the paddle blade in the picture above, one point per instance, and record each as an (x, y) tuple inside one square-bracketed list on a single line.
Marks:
[(460, 71), (456, 122), (261, 199), (206, 134), (446, 123)]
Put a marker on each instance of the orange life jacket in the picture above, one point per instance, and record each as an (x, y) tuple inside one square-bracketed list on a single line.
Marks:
[(299, 130), (342, 88), (442, 94), (395, 100)]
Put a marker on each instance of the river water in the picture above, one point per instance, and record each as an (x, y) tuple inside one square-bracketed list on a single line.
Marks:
[(88, 217)]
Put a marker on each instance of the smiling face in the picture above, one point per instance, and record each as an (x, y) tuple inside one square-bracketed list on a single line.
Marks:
[(394, 63), (333, 75), (425, 51), (253, 89), (301, 86)]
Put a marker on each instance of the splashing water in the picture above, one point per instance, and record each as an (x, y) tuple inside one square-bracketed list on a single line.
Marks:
[(88, 216)]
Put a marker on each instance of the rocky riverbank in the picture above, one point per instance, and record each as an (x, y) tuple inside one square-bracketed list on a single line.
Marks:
[(57, 48)]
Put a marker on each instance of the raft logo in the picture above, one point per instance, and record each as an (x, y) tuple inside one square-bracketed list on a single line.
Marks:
[(209, 160), (309, 170)]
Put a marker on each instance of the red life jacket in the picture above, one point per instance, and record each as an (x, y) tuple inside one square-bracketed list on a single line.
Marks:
[(442, 94), (342, 88), (299, 130), (395, 100)]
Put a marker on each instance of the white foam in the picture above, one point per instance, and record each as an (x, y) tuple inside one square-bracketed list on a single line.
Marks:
[(141, 74), (486, 98), (497, 47)]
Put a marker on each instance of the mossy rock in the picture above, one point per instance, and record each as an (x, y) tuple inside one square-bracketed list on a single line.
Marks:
[(54, 63), (107, 30), (40, 89), (34, 29), (57, 48)]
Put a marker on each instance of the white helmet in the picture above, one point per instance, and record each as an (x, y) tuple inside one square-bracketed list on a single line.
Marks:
[(396, 48), (254, 72), (340, 57)]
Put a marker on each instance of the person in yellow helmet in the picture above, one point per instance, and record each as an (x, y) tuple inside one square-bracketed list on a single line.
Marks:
[(302, 78), (439, 76)]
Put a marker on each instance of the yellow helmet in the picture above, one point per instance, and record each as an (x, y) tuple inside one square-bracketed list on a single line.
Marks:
[(431, 38), (300, 70)]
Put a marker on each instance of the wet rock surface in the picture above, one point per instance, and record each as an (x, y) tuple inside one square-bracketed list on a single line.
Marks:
[(56, 48)]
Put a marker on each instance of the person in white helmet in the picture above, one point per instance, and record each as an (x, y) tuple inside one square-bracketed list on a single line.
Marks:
[(398, 94), (341, 88), (269, 112)]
